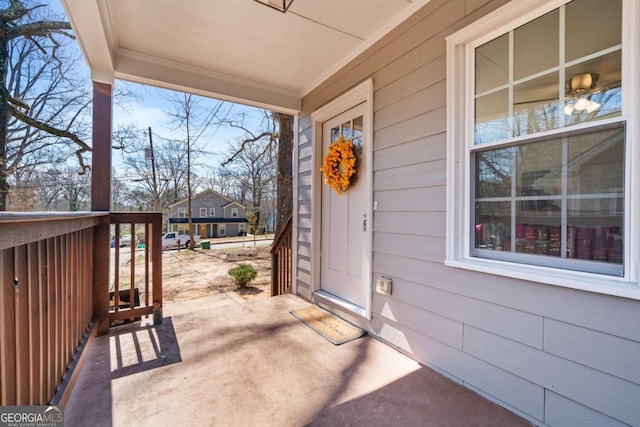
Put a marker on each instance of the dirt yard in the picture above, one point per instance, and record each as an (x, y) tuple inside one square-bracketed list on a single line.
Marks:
[(194, 274), (189, 275)]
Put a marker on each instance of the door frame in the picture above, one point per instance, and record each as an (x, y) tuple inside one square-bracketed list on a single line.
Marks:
[(362, 93)]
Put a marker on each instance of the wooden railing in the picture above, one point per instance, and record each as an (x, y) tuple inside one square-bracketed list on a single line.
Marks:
[(54, 295), (46, 300), (136, 285), (281, 273)]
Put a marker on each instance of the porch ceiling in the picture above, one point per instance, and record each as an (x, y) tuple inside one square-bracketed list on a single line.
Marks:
[(237, 50)]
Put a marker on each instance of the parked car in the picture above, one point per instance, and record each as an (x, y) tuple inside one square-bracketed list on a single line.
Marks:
[(172, 240), (125, 241)]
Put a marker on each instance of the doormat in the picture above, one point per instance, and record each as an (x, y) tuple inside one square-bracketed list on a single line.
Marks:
[(328, 325)]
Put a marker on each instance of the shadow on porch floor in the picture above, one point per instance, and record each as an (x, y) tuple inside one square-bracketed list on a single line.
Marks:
[(255, 364)]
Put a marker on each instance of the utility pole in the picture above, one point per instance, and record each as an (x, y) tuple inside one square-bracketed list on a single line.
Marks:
[(156, 197)]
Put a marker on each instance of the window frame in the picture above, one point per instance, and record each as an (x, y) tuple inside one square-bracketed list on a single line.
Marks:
[(460, 144), (212, 212), (201, 212), (222, 230), (234, 212)]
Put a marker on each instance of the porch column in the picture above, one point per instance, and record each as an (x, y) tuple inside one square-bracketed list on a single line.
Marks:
[(101, 200)]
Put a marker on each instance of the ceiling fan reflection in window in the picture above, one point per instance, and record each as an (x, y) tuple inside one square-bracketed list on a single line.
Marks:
[(582, 96), (580, 90)]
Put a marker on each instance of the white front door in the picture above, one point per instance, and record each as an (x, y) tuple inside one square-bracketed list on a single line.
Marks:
[(346, 252)]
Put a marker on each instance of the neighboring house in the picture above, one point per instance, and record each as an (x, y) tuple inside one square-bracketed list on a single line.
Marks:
[(498, 183), (212, 215)]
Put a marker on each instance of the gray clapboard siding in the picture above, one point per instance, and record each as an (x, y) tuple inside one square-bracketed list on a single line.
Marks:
[(471, 5), (304, 252), (418, 151), (560, 411), (305, 165), (410, 246), (419, 127), (515, 325), (429, 324), (417, 103), (304, 207), (421, 199), (604, 393), (304, 222), (616, 316), (304, 264), (408, 86), (304, 236), (421, 175), (304, 193), (410, 223), (305, 151), (305, 179), (397, 68), (508, 388), (616, 356)]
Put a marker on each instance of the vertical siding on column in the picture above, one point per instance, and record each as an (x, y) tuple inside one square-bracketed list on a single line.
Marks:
[(302, 271)]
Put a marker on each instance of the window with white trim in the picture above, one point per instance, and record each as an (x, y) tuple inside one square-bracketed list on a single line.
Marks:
[(540, 134), (203, 212), (234, 212), (212, 212), (182, 212), (222, 230)]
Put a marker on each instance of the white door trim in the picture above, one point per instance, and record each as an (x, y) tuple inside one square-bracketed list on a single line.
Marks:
[(355, 96)]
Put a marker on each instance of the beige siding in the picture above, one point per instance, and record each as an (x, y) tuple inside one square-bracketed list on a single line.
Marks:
[(551, 354)]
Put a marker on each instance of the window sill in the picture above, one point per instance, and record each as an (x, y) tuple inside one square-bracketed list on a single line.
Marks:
[(589, 282)]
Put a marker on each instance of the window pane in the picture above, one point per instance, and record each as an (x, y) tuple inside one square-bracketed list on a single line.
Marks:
[(492, 117), (568, 198), (536, 46), (335, 133), (492, 64), (591, 26), (493, 225), (493, 173), (535, 106), (603, 98), (346, 130), (541, 238), (539, 169), (592, 233), (596, 163)]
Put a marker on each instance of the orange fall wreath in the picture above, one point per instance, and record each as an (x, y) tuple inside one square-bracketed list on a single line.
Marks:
[(339, 165)]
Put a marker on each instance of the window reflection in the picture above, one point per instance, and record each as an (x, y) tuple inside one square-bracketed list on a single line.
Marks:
[(567, 200)]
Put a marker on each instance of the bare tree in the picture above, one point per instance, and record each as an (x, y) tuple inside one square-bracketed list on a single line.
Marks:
[(190, 118), (284, 174), (51, 189), (254, 170), (37, 100), (275, 137)]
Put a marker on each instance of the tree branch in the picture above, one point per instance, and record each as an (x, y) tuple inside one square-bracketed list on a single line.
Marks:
[(40, 29), (243, 145), (54, 131), (15, 11)]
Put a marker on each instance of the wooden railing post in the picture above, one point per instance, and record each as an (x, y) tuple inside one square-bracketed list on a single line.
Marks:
[(101, 199), (101, 256), (281, 270)]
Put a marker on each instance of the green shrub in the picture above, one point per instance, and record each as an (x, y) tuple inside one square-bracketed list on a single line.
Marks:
[(242, 275)]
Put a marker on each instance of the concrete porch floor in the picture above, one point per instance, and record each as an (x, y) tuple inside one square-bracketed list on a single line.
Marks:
[(254, 364)]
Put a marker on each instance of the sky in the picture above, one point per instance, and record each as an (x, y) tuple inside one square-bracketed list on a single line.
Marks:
[(149, 108)]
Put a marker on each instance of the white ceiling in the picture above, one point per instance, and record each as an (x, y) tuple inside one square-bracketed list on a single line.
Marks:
[(238, 50)]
